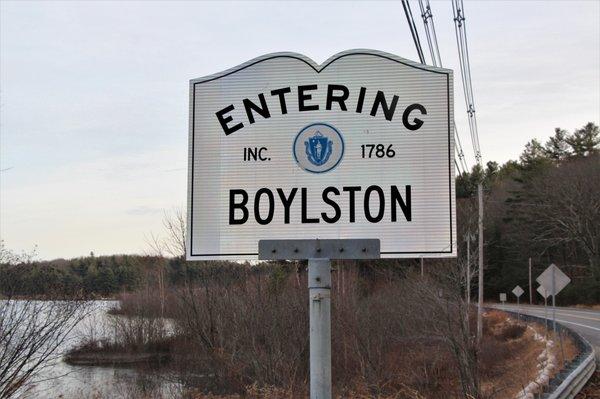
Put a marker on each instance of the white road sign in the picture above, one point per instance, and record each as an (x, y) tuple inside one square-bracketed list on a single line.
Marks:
[(503, 297), (561, 280), (518, 291), (542, 291), (360, 146)]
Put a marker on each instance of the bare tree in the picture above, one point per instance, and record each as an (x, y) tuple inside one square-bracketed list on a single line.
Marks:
[(439, 295), (32, 333), (172, 241)]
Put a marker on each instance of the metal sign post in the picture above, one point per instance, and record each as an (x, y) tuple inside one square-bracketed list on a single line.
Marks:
[(319, 293), (553, 301), (553, 280), (319, 254), (542, 291), (518, 291), (546, 312)]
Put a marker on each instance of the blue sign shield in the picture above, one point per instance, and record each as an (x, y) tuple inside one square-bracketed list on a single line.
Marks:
[(318, 149)]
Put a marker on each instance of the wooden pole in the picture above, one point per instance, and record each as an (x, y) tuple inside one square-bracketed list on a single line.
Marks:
[(480, 301), (530, 287), (468, 270)]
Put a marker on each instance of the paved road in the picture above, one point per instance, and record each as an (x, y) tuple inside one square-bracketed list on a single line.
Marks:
[(585, 322)]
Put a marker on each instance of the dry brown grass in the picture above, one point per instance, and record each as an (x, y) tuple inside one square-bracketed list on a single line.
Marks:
[(511, 365), (565, 349), (508, 356)]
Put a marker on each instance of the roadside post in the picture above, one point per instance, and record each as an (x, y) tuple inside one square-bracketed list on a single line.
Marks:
[(553, 280), (503, 298), (530, 285), (518, 291), (319, 254), (353, 158), (542, 291)]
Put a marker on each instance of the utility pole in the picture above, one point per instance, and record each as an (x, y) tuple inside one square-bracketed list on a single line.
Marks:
[(468, 269), (480, 302), (530, 289), (468, 290)]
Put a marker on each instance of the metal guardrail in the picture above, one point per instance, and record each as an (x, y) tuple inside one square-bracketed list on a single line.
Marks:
[(575, 381), (571, 379)]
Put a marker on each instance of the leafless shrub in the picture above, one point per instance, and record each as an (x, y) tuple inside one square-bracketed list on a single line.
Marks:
[(253, 329), (434, 307), (395, 334), (136, 333), (247, 331), (171, 243), (32, 334)]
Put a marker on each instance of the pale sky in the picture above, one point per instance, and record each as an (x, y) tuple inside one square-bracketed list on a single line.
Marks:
[(94, 95)]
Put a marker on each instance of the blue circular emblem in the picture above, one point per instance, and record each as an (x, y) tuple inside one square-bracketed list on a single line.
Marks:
[(318, 148)]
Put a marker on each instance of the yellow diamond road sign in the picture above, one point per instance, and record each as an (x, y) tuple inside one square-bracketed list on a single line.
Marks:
[(518, 291), (548, 281)]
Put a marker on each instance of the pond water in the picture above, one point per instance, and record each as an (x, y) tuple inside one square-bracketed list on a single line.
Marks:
[(61, 380)]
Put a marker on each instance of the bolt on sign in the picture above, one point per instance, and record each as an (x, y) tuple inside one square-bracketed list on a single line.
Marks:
[(360, 146)]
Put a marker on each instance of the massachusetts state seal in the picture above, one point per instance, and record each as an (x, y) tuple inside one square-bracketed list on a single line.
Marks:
[(318, 148)]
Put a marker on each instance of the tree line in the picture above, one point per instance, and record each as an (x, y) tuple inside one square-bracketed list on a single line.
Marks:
[(99, 276), (544, 206)]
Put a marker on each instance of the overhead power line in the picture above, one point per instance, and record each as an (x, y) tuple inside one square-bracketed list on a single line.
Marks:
[(436, 58), (465, 71), (427, 16), (459, 150), (413, 30)]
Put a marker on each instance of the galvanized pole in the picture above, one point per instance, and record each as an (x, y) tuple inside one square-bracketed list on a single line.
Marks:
[(480, 301), (530, 287), (518, 309), (546, 313), (554, 302), (319, 290), (319, 254)]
